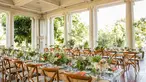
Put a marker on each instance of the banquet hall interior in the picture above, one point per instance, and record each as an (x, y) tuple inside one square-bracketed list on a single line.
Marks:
[(72, 40)]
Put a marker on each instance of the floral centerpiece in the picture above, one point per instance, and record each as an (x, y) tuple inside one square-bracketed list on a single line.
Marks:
[(102, 65), (3, 51), (96, 58), (61, 58), (44, 57), (82, 62), (19, 54)]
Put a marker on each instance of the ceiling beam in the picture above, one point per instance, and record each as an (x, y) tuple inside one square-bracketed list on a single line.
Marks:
[(54, 2), (21, 2)]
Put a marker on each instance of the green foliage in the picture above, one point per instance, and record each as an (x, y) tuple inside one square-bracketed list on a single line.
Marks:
[(4, 22), (70, 43), (140, 32), (22, 29), (96, 58), (32, 53), (86, 45), (20, 54), (58, 30), (79, 31), (61, 59), (112, 37), (82, 63)]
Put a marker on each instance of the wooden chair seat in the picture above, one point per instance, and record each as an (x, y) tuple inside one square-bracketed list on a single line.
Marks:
[(55, 74), (41, 79), (76, 77), (103, 81), (13, 70)]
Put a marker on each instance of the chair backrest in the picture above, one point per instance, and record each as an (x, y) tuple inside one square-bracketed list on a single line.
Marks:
[(128, 56), (76, 52), (19, 65), (110, 54), (87, 52), (32, 70), (67, 51), (98, 52), (72, 77), (6, 64), (55, 75)]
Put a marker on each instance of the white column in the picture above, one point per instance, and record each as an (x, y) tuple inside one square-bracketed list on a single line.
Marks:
[(70, 26), (36, 39), (95, 27), (43, 34), (33, 36), (67, 22), (129, 24), (50, 32), (46, 32), (10, 30), (92, 27)]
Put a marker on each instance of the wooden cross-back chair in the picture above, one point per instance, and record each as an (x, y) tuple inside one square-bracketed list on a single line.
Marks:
[(2, 70), (32, 70), (19, 65), (75, 77), (8, 68), (87, 52), (76, 52), (131, 59), (112, 56), (53, 71), (67, 51), (98, 52)]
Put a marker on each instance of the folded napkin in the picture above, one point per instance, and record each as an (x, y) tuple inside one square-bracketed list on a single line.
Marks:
[(82, 73), (114, 69)]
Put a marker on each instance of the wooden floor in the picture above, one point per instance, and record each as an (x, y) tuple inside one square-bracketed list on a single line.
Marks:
[(130, 75)]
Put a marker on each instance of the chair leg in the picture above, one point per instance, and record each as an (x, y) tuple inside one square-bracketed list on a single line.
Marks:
[(138, 66)]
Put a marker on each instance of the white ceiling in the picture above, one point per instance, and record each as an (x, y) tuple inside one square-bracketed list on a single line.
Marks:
[(39, 6)]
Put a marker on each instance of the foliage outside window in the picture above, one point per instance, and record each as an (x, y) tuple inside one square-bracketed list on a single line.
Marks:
[(59, 30), (22, 30), (79, 31), (115, 37)]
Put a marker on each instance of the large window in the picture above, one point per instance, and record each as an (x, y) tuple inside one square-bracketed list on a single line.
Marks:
[(22, 31), (80, 28), (111, 26), (59, 30), (3, 29), (140, 23)]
